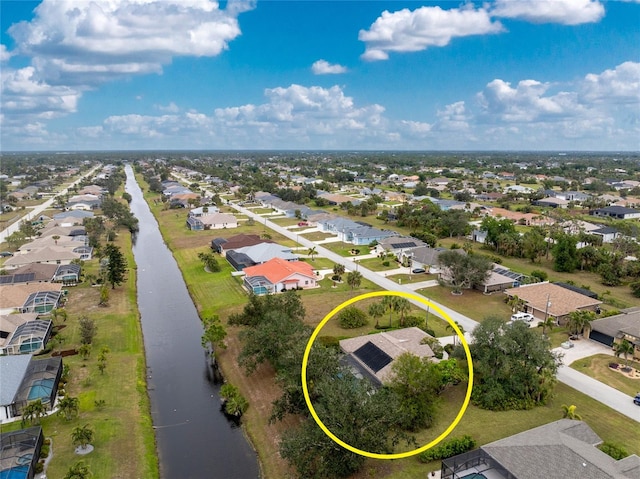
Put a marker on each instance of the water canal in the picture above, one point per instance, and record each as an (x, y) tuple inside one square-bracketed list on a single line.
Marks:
[(194, 439)]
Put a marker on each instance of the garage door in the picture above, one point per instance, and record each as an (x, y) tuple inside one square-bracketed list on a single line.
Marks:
[(601, 338)]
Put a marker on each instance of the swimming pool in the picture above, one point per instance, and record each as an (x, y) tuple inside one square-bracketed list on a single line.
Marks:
[(41, 389), (19, 472), (474, 475)]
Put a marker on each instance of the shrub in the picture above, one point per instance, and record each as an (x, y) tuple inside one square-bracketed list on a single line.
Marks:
[(335, 277), (539, 274), (38, 468), (385, 263), (329, 341), (352, 317), (449, 448), (614, 450), (448, 348), (411, 321)]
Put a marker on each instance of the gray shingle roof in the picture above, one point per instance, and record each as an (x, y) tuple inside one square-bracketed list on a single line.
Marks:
[(12, 371)]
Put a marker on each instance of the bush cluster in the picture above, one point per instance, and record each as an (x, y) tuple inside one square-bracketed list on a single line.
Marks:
[(449, 448), (352, 317)]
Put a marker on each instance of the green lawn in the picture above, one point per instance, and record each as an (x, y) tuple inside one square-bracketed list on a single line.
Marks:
[(598, 368), (375, 264), (471, 303)]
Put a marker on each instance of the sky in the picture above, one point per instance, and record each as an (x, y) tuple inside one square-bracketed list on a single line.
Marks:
[(560, 75)]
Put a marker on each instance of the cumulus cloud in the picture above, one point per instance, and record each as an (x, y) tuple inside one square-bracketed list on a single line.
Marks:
[(76, 46), (454, 117), (170, 108), (323, 67), (4, 53), (565, 12), (415, 30), (620, 85)]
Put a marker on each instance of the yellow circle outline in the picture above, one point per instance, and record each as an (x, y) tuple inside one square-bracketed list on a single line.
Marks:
[(374, 455)]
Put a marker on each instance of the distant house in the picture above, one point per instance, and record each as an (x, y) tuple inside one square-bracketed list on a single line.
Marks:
[(13, 297), (426, 257), (551, 300), (398, 245), (203, 210), (616, 212), (25, 379), (84, 202), (372, 356), (241, 258), (41, 302), (9, 323), (561, 449), (551, 202), (499, 279), (278, 275), (30, 337), (222, 245), (49, 254), (613, 329), (213, 221)]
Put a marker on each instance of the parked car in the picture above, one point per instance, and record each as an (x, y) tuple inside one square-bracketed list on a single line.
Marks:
[(522, 317), (303, 223), (4, 254), (567, 345), (418, 270), (636, 400)]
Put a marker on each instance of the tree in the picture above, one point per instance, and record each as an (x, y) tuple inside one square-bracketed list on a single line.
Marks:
[(16, 239), (235, 403), (390, 303), (352, 317), (338, 270), (354, 279), (104, 295), (579, 321), (312, 252), (565, 254), (464, 271), (403, 306), (214, 332), (88, 330), (84, 351), (450, 328), (117, 265), (496, 227), (548, 322), (82, 436), (533, 245), (569, 412), (515, 368), (55, 238), (376, 310), (635, 288), (210, 262), (33, 411), (623, 348), (515, 303), (416, 381), (79, 471), (68, 407)]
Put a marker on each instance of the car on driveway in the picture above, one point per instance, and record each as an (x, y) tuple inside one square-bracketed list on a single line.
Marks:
[(636, 400), (418, 270), (4, 254), (567, 345), (522, 317)]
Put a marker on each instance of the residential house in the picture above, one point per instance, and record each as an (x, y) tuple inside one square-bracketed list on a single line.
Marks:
[(500, 278), (13, 297), (222, 245), (9, 323), (203, 211), (552, 202), (242, 258), (616, 212), (213, 221), (278, 275), (372, 356), (30, 273), (72, 218), (613, 329), (545, 300), (398, 245), (562, 449), (49, 254), (21, 452), (26, 379), (86, 202), (29, 337)]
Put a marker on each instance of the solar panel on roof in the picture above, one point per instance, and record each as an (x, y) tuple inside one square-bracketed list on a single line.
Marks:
[(23, 277), (507, 273), (403, 245), (372, 356), (6, 279)]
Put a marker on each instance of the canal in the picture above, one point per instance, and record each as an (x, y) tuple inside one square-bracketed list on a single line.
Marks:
[(194, 438)]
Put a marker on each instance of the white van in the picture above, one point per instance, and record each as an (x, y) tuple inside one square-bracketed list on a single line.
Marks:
[(522, 317)]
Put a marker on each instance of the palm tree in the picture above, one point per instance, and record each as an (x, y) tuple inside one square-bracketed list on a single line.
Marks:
[(389, 303), (338, 270), (579, 321), (376, 310), (82, 436), (455, 337), (402, 307), (33, 411), (354, 279), (78, 471), (55, 238), (312, 252), (549, 322), (569, 412), (515, 303), (624, 348), (68, 407)]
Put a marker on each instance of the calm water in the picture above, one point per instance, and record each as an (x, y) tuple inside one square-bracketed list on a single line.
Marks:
[(194, 439)]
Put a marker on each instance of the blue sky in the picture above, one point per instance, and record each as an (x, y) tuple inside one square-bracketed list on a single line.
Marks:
[(195, 74)]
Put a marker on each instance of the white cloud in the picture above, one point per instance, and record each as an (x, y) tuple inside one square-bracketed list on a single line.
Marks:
[(411, 31), (4, 53), (453, 118), (566, 12), (620, 85), (170, 108), (323, 67)]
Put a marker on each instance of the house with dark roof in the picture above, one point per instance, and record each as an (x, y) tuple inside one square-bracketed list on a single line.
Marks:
[(222, 245), (616, 212), (613, 329), (398, 245), (278, 275), (425, 257), (372, 356), (21, 452), (564, 449)]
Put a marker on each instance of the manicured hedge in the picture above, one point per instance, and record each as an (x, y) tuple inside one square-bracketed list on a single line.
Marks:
[(449, 448)]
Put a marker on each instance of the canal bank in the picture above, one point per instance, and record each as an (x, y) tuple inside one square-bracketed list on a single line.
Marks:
[(194, 439)]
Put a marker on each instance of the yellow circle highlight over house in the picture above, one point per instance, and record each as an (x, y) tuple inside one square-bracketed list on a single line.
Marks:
[(374, 455)]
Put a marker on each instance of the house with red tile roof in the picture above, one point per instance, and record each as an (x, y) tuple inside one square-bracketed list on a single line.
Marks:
[(278, 275)]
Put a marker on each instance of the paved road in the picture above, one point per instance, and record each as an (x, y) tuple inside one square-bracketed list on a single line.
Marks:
[(36, 210), (583, 383)]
